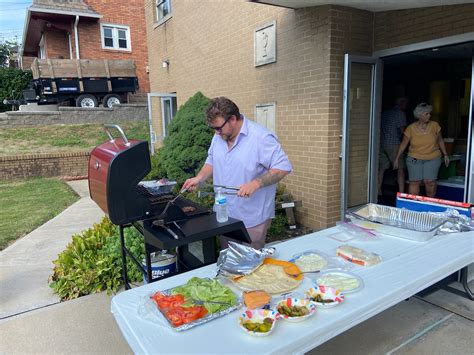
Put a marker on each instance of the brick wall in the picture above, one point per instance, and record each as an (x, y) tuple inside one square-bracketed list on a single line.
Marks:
[(44, 165), (210, 47), (217, 57), (398, 28), (351, 32), (56, 44), (129, 13)]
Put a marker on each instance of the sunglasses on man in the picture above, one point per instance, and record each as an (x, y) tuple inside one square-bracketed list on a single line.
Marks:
[(219, 128)]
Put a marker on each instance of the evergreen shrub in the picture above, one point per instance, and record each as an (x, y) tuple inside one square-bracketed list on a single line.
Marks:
[(185, 147)]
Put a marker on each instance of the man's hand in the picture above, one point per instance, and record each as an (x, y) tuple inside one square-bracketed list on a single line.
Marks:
[(248, 189), (191, 184), (395, 164)]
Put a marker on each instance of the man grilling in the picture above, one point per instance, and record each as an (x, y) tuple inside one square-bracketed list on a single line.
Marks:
[(244, 154)]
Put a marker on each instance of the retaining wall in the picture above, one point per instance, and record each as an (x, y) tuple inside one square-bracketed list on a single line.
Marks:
[(45, 165), (75, 115)]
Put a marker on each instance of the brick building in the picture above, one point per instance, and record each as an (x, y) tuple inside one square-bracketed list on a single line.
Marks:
[(313, 73), (87, 29)]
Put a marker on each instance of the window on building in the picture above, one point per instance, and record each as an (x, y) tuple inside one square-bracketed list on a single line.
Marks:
[(163, 9), (168, 106), (115, 37)]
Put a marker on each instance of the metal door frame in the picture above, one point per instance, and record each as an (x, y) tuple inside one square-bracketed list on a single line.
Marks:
[(153, 136), (442, 42), (375, 107), (469, 176)]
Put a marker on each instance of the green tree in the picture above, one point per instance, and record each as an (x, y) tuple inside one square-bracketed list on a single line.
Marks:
[(12, 82), (6, 51), (185, 148)]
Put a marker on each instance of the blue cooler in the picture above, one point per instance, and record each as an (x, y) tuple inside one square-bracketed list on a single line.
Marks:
[(451, 189)]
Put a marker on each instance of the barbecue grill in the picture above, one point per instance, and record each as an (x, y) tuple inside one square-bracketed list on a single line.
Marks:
[(166, 220)]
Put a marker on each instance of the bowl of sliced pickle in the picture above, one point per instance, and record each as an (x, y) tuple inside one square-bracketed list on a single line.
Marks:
[(295, 309), (258, 322), (325, 297)]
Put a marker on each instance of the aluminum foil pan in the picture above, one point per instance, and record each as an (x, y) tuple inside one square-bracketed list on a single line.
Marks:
[(239, 259), (402, 223), (197, 322)]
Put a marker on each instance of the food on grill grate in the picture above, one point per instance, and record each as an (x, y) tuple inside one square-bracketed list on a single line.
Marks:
[(187, 209)]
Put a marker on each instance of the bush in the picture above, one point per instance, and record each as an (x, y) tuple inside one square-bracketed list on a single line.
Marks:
[(12, 83), (157, 171), (185, 148), (92, 261), (277, 229)]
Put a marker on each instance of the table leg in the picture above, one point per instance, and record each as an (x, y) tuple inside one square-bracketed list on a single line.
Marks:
[(467, 293)]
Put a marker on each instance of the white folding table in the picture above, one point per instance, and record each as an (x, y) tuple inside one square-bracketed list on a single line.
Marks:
[(407, 268)]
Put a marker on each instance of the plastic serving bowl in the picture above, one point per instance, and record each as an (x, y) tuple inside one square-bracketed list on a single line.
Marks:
[(300, 302), (258, 315), (326, 293)]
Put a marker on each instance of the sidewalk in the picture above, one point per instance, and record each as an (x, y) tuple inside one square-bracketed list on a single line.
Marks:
[(26, 264), (34, 321)]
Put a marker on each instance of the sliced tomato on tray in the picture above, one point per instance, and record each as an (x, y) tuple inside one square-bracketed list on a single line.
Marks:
[(165, 302), (182, 315), (172, 307)]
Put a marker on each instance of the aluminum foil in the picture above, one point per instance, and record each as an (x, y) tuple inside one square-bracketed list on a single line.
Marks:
[(148, 306), (239, 259), (419, 226), (456, 222)]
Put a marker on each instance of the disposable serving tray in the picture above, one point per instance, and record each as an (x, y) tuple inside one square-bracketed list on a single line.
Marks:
[(207, 318), (402, 223)]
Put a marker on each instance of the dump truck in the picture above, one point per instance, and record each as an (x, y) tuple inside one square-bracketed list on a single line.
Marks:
[(81, 82)]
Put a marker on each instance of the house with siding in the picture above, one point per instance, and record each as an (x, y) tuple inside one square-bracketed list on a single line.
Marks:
[(319, 73), (87, 29)]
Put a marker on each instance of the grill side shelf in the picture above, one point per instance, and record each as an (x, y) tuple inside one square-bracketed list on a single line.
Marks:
[(193, 230)]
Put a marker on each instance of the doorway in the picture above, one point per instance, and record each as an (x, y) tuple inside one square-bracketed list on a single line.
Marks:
[(441, 76)]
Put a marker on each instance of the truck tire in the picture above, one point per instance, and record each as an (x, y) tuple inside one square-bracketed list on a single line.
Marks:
[(111, 99), (87, 101)]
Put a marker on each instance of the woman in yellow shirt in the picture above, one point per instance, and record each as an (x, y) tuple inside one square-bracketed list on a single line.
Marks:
[(424, 154)]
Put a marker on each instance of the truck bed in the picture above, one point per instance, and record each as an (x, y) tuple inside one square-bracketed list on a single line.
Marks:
[(82, 68)]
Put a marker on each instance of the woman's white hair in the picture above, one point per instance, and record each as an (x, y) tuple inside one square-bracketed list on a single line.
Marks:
[(421, 109)]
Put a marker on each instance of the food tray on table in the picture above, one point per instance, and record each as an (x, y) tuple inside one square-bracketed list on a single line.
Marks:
[(335, 279), (314, 260), (207, 318), (273, 276), (402, 223)]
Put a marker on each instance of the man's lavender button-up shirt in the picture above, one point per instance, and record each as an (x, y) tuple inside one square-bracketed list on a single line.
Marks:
[(255, 151)]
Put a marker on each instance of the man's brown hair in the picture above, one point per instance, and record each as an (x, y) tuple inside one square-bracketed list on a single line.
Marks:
[(222, 107)]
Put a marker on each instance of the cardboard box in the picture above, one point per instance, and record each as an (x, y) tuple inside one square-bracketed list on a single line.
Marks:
[(430, 204)]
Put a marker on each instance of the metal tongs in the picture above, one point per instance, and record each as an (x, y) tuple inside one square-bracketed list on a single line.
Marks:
[(206, 193), (170, 202)]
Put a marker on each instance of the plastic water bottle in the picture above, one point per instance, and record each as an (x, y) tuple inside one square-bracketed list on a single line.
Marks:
[(220, 206)]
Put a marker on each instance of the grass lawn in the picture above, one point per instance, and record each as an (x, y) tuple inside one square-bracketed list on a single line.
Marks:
[(63, 138), (27, 204)]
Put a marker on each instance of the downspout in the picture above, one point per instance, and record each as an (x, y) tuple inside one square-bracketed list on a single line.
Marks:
[(70, 44), (76, 38)]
